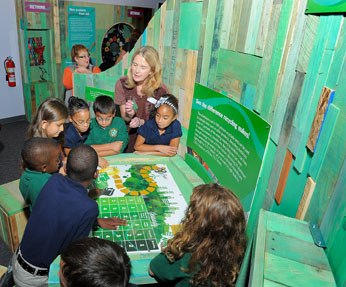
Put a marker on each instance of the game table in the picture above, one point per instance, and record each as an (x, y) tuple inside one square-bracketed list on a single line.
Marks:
[(152, 193)]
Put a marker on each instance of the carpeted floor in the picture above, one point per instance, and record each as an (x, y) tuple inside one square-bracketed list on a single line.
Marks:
[(12, 137)]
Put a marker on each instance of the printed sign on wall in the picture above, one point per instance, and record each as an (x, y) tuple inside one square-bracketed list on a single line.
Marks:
[(227, 141), (326, 6), (37, 7), (81, 27)]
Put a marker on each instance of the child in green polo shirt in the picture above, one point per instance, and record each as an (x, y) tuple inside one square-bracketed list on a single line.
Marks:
[(108, 134), (41, 160)]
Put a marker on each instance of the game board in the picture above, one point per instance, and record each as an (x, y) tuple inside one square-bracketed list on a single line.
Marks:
[(145, 195)]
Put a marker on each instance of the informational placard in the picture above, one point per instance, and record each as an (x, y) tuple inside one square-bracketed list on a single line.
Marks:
[(326, 6), (92, 93), (226, 140), (81, 27)]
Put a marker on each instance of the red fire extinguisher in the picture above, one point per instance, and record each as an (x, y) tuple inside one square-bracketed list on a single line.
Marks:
[(10, 75)]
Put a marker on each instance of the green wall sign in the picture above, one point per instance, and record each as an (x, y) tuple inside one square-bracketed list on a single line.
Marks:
[(227, 141), (92, 93), (326, 6)]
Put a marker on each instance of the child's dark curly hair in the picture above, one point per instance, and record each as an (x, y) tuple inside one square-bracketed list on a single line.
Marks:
[(213, 232)]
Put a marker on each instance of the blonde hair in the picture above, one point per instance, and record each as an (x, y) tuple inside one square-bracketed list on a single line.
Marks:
[(213, 232), (153, 81), (76, 49), (50, 110)]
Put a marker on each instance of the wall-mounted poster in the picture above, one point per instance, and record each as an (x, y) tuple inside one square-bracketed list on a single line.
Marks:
[(36, 50), (226, 142), (326, 6), (114, 41), (81, 27), (39, 52)]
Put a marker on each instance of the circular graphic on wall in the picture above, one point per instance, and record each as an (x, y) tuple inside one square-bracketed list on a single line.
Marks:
[(114, 40)]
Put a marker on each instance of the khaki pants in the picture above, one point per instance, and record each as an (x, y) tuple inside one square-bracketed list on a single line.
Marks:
[(23, 278)]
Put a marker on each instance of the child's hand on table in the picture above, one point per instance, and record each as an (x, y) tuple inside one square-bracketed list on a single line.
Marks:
[(111, 223), (116, 146), (103, 163), (166, 149)]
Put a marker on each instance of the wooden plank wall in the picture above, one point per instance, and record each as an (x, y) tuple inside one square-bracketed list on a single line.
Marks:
[(36, 92), (105, 17), (271, 57), (56, 23)]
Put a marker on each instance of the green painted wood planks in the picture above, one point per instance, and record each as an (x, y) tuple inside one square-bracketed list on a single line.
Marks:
[(267, 55), (319, 64), (278, 59), (286, 79), (333, 228), (237, 66), (330, 153), (284, 254)]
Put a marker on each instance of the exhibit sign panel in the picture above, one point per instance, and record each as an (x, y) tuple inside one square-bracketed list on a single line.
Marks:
[(81, 27), (326, 6), (226, 141)]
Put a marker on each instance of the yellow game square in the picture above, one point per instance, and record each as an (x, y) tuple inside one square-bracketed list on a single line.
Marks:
[(144, 192)]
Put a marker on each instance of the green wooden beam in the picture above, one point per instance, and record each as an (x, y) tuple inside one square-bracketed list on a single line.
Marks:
[(269, 98), (319, 65), (207, 31), (237, 66), (267, 56)]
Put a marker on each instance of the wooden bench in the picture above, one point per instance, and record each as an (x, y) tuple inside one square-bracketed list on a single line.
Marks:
[(284, 254), (14, 214), (3, 269)]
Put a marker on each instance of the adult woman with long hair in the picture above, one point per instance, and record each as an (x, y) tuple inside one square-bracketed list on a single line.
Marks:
[(137, 93)]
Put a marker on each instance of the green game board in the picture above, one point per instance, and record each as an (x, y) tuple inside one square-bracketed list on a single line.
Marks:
[(139, 234), (155, 206)]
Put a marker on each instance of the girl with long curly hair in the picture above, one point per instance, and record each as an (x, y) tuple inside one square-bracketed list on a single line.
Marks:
[(209, 248), (137, 93)]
